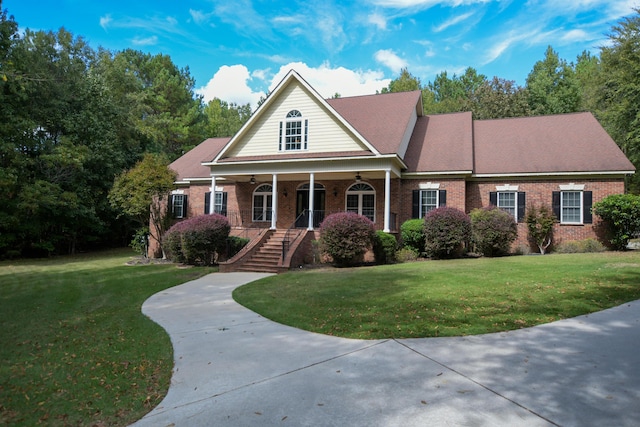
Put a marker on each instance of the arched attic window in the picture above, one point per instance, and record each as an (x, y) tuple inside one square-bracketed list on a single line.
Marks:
[(293, 132)]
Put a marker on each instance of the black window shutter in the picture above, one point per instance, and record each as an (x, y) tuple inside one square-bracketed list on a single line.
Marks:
[(184, 206), (493, 198), (415, 206), (207, 202), (522, 205), (224, 204), (280, 139), (587, 201), (170, 206), (442, 198), (555, 204)]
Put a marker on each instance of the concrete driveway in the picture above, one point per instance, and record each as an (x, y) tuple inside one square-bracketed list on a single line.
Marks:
[(236, 368)]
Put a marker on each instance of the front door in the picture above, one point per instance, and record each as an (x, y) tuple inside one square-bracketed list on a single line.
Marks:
[(302, 206)]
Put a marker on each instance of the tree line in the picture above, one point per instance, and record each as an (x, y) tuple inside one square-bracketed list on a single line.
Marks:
[(73, 118)]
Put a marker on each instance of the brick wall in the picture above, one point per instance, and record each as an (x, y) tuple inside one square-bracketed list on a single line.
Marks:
[(539, 192)]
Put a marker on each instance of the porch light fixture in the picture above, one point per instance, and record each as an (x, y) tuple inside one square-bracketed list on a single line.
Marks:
[(252, 181), (335, 192), (285, 193), (358, 177)]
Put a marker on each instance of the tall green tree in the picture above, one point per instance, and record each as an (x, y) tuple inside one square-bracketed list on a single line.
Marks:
[(224, 119), (499, 98), (620, 90), (141, 192), (452, 94), (406, 82), (164, 114), (552, 86)]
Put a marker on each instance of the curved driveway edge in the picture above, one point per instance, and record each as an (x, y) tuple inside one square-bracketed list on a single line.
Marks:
[(236, 368)]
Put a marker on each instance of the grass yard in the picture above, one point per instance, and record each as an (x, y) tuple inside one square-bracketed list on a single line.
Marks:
[(76, 349), (446, 298)]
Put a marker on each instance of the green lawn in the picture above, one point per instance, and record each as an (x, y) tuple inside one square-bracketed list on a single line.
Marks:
[(76, 349), (446, 298)]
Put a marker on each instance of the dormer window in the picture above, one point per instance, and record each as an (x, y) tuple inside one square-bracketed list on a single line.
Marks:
[(293, 132)]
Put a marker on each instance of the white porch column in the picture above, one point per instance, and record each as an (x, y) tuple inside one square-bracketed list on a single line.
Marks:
[(274, 202), (212, 195), (387, 200), (312, 184)]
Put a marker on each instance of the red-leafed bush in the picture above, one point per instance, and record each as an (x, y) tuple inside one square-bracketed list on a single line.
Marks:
[(346, 236), (197, 241), (446, 230)]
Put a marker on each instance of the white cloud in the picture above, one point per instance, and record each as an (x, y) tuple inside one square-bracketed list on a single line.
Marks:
[(105, 21), (147, 41), (388, 58), (576, 36), (329, 81), (198, 16), (230, 84), (453, 21), (378, 20)]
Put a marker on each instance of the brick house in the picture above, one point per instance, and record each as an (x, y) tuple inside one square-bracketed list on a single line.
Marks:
[(301, 157)]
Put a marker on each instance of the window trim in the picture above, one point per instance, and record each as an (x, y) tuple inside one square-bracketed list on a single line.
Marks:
[(508, 208), (580, 207), (421, 212)]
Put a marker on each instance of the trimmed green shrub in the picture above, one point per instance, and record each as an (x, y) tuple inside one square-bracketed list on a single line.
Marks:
[(580, 246), (346, 236), (540, 222), (621, 214), (446, 230), (197, 241), (384, 248), (493, 231), (412, 234), (234, 244)]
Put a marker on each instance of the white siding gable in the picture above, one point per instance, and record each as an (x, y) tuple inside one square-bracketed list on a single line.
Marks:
[(325, 133)]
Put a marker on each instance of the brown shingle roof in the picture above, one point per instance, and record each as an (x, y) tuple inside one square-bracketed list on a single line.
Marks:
[(189, 165), (441, 143), (546, 144), (381, 119)]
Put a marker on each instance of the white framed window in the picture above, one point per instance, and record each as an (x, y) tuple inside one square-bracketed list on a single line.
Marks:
[(361, 199), (508, 202), (262, 203), (179, 205), (429, 200), (294, 132), (571, 207)]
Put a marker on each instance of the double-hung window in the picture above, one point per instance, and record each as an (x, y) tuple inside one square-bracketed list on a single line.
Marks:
[(510, 200), (294, 132), (219, 203), (572, 205), (507, 202), (426, 200), (179, 205)]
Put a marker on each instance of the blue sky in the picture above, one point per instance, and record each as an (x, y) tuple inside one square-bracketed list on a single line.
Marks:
[(237, 50)]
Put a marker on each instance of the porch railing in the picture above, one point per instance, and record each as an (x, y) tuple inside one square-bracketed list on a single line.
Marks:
[(245, 218)]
